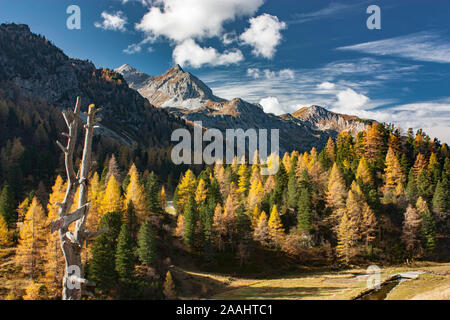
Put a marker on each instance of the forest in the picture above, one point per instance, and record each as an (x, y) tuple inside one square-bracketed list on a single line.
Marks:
[(378, 197)]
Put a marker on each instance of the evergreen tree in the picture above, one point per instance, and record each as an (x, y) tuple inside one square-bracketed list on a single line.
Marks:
[(304, 217), (7, 207), (441, 196), (411, 188), (151, 191), (147, 244), (292, 191), (124, 255), (424, 185), (190, 222), (130, 220), (428, 225), (102, 264)]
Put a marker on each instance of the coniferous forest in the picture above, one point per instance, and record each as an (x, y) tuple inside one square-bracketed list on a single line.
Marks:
[(376, 198)]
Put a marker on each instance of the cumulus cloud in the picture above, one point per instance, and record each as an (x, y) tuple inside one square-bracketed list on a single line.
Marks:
[(263, 35), (190, 53), (112, 21), (179, 20), (133, 48), (349, 100), (272, 105), (326, 86)]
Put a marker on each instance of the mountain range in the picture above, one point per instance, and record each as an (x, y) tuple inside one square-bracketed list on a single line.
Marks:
[(144, 109), (186, 96)]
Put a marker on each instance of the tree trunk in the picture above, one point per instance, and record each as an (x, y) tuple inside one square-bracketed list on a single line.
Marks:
[(71, 243)]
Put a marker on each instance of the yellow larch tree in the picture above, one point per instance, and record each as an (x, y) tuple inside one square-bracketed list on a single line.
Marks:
[(112, 198), (393, 174), (363, 172), (276, 230), (53, 256), (201, 192), (5, 238), (373, 142), (330, 150), (255, 194), (95, 192), (346, 238), (163, 198), (32, 242), (186, 188), (243, 180), (336, 189), (419, 164), (135, 193)]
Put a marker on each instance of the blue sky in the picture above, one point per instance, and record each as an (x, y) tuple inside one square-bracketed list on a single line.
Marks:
[(284, 54)]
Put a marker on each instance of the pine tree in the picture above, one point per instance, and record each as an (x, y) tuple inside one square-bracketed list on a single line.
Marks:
[(151, 192), (102, 264), (124, 255), (169, 288), (276, 230), (5, 239), (424, 185), (304, 217), (441, 196), (32, 240), (292, 191), (112, 199), (130, 220), (428, 225), (135, 194), (147, 244), (7, 208), (411, 188)]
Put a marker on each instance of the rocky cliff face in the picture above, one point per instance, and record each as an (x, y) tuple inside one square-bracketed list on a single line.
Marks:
[(175, 88), (321, 119), (33, 67)]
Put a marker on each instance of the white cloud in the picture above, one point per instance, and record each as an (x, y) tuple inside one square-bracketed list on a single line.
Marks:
[(112, 21), (423, 46), (133, 48), (253, 72), (349, 100), (332, 10), (179, 20), (272, 105), (326, 85), (287, 73), (190, 53), (263, 35)]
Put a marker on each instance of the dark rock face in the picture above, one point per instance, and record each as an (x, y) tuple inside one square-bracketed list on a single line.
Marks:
[(33, 66)]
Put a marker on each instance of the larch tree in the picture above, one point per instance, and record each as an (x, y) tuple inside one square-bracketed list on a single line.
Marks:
[(113, 170), (363, 171), (169, 289), (186, 189), (244, 180), (419, 164), (95, 197), (411, 230), (135, 193), (255, 194), (393, 175), (330, 149), (373, 142), (32, 242), (54, 259), (346, 238), (112, 199), (201, 192), (369, 224), (336, 189), (219, 226), (261, 231), (5, 238), (163, 199), (276, 230)]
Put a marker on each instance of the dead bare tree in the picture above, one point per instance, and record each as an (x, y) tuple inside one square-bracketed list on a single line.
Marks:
[(74, 283)]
